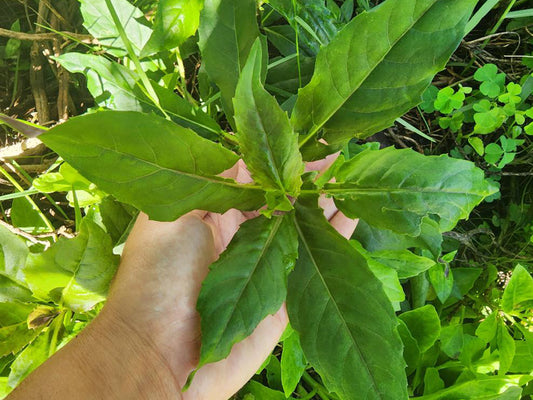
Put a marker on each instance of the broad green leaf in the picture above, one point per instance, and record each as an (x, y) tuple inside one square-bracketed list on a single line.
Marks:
[(506, 347), (395, 189), (75, 272), (432, 381), (247, 283), (486, 330), (228, 29), (175, 21), (118, 219), (376, 239), (268, 144), (13, 254), (116, 87), (98, 21), (14, 331), (32, 356), (12, 290), (424, 325), (441, 278), (411, 351), (386, 274), (347, 327), (464, 280), (293, 363), (487, 388), (452, 339), (157, 166), (523, 358), (404, 262), (519, 290), (378, 66), (253, 390), (27, 217)]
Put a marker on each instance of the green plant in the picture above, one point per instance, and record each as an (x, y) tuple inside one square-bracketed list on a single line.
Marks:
[(167, 160)]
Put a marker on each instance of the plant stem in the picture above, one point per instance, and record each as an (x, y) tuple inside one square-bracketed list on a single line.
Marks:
[(320, 390), (58, 321)]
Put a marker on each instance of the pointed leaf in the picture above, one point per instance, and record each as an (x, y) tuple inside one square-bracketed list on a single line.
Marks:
[(228, 29), (485, 388), (519, 289), (395, 189), (347, 326), (267, 141), (246, 284), (116, 87), (424, 325), (157, 166), (14, 331), (404, 262), (98, 21), (378, 66), (76, 272), (13, 254), (293, 363), (175, 21)]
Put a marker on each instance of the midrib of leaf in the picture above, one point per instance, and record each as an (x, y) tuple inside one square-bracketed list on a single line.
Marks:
[(176, 172), (74, 273), (332, 300), (270, 237), (316, 128)]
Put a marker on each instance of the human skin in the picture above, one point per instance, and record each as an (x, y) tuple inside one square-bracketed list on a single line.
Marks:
[(146, 341)]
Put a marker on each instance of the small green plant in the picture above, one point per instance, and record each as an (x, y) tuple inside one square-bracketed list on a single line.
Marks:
[(163, 154)]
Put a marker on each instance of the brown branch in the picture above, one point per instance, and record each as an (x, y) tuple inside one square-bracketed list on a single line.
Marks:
[(46, 36)]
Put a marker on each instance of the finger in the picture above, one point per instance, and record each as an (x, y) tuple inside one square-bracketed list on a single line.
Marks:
[(221, 380), (328, 205), (344, 225), (224, 227), (321, 165)]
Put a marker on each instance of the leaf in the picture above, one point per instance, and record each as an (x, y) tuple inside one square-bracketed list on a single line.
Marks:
[(268, 144), (487, 388), (395, 189), (411, 351), (74, 272), (27, 217), (27, 361), (116, 87), (441, 278), (486, 330), (523, 358), (432, 381), (452, 339), (175, 21), (260, 392), (14, 331), (12, 290), (251, 274), (346, 324), (98, 21), (404, 262), (506, 348), (13, 254), (293, 363), (228, 29), (424, 325), (376, 239), (519, 290), (124, 153), (378, 66)]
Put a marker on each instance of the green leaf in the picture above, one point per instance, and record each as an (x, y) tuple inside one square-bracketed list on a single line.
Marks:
[(523, 358), (424, 325), (27, 217), (487, 328), (12, 290), (27, 361), (441, 278), (14, 331), (175, 21), (519, 290), (378, 66), (346, 324), (377, 239), (228, 29), (506, 348), (411, 351), (251, 274), (13, 254), (432, 381), (492, 82), (404, 262), (116, 87), (74, 272), (99, 22), (260, 392), (452, 339), (485, 388), (293, 363), (267, 141), (395, 189), (124, 153)]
